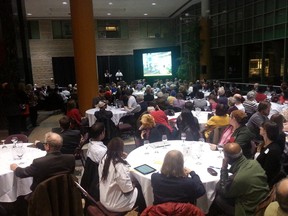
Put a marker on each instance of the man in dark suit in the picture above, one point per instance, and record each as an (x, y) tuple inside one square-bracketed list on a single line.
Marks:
[(53, 163), (71, 138)]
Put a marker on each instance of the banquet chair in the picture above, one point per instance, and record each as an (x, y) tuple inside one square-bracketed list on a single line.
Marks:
[(78, 153), (172, 208), (56, 196), (125, 126), (21, 137), (95, 208)]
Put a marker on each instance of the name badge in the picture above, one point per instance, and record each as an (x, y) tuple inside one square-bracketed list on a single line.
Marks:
[(266, 151)]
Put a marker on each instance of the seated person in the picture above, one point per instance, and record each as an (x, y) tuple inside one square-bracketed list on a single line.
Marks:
[(74, 114), (96, 148), (240, 193), (250, 103), (100, 97), (221, 118), (237, 132), (71, 138), (200, 101), (105, 116), (53, 163), (117, 191), (173, 184), (149, 94), (270, 151), (188, 124), (280, 206), (179, 101), (132, 105), (150, 131)]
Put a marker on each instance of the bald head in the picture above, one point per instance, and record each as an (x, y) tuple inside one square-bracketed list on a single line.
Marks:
[(54, 141), (282, 194), (232, 150)]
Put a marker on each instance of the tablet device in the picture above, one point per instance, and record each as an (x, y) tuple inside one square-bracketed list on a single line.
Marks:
[(145, 169)]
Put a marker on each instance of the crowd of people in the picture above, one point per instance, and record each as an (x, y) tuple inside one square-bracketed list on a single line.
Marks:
[(249, 126)]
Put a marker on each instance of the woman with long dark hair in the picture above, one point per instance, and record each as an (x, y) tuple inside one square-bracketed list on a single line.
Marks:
[(117, 191), (188, 124)]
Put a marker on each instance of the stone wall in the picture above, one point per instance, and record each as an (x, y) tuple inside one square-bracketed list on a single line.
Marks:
[(43, 49)]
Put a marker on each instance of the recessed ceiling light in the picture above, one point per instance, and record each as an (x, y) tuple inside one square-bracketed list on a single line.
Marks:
[(109, 14), (110, 3), (64, 3), (29, 14), (153, 3), (145, 14)]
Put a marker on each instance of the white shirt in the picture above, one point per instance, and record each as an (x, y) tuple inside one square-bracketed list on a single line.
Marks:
[(240, 107), (132, 103), (112, 191), (118, 74), (96, 151)]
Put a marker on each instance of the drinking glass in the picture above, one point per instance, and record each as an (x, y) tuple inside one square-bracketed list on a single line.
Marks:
[(164, 139), (3, 144), (198, 154), (14, 141), (202, 141), (206, 108), (146, 146), (183, 138), (220, 148), (198, 111), (19, 150)]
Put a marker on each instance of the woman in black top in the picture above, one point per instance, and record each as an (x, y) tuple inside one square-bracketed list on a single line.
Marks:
[(270, 153), (188, 124), (173, 183)]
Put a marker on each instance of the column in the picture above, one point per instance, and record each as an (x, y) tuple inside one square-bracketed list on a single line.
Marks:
[(83, 32)]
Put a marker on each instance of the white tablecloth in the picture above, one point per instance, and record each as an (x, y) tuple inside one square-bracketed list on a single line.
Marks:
[(117, 114), (12, 186), (209, 158)]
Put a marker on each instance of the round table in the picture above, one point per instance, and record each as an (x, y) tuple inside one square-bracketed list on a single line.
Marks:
[(12, 186), (155, 159), (117, 114)]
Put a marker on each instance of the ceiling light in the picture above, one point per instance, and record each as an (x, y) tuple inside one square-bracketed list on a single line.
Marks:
[(153, 3), (110, 3), (145, 14), (111, 28), (109, 14), (29, 14), (64, 3)]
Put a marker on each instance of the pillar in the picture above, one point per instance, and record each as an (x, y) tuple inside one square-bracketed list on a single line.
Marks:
[(83, 32)]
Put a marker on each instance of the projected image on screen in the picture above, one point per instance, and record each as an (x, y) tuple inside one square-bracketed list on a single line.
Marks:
[(157, 64)]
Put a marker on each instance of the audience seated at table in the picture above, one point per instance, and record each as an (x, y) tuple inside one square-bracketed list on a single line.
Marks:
[(150, 130), (200, 101), (53, 163), (74, 114), (258, 118), (160, 117), (222, 99), (260, 96), (117, 191), (103, 115), (71, 138), (162, 102), (100, 97), (270, 151), (280, 206), (240, 193), (175, 183), (237, 132), (221, 118), (178, 102), (250, 103), (96, 151), (188, 124), (149, 94)]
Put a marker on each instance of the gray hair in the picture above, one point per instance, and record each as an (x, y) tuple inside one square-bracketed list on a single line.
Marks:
[(251, 95)]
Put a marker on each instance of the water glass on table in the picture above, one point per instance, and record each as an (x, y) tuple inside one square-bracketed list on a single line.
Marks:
[(183, 138), (220, 149), (146, 146), (164, 140)]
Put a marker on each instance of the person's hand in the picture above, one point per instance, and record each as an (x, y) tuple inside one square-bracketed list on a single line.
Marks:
[(13, 166), (224, 163), (187, 171), (143, 132), (213, 147), (260, 146)]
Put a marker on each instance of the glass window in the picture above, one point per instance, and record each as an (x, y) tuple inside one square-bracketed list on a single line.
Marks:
[(239, 26), (238, 38), (61, 29), (239, 14), (214, 42), (248, 24), (258, 21), (248, 11), (33, 29), (222, 30), (269, 19), (231, 16), (230, 40), (281, 4), (280, 16), (280, 31), (214, 32), (248, 37), (231, 28), (257, 35), (153, 28), (259, 8), (269, 5), (214, 21), (222, 41), (268, 33)]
